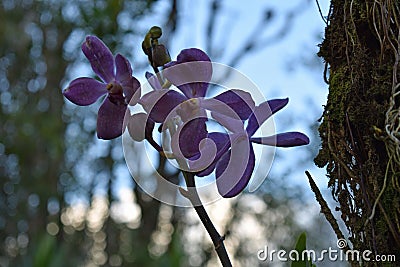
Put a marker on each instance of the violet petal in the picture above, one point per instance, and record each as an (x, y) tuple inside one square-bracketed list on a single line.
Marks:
[(231, 124), (193, 54), (84, 91), (158, 104), (222, 142), (288, 139), (190, 73), (123, 68), (132, 90), (262, 112), (153, 81), (229, 183), (190, 137), (100, 58), (240, 101), (110, 119)]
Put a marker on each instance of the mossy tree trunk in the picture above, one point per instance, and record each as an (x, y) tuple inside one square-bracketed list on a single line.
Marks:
[(360, 127)]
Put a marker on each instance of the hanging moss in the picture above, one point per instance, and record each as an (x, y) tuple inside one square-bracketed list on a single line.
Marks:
[(358, 48)]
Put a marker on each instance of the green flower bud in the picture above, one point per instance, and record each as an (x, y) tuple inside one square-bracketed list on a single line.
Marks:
[(155, 32), (146, 44), (160, 55)]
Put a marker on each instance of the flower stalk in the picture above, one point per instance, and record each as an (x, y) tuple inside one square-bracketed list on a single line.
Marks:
[(218, 240)]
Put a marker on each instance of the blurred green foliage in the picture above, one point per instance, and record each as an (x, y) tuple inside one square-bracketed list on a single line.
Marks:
[(40, 40), (301, 247)]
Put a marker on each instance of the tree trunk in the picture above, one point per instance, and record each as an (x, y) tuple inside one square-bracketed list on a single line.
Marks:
[(359, 132)]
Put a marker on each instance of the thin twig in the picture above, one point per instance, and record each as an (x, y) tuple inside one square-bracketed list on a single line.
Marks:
[(216, 238), (320, 12), (324, 207)]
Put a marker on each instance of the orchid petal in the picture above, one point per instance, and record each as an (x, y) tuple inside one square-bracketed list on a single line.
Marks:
[(229, 183), (132, 90), (123, 68), (240, 101), (100, 58), (223, 114), (263, 112), (231, 124), (191, 73), (222, 143), (288, 139), (194, 54), (189, 137), (84, 91), (158, 104), (110, 119), (153, 81), (130, 84)]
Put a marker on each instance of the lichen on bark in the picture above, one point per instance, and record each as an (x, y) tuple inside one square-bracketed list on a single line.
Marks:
[(358, 129)]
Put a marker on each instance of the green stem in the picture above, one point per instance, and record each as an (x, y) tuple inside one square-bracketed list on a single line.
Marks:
[(216, 238)]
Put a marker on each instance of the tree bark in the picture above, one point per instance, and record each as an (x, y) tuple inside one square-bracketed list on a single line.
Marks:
[(359, 129)]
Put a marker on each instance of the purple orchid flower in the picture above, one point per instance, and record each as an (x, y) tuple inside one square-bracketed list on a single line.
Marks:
[(230, 154), (191, 74), (117, 83), (234, 169)]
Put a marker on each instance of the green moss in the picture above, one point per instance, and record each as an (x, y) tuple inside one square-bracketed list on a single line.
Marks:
[(340, 91), (360, 86)]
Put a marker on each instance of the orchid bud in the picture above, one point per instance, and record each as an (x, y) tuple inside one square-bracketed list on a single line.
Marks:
[(155, 32), (160, 55)]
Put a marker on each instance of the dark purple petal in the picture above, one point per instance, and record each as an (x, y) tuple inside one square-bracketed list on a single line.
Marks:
[(193, 54), (132, 90), (158, 104), (222, 143), (84, 91), (232, 124), (263, 112), (153, 81), (190, 136), (123, 68), (191, 73), (185, 77), (100, 58), (193, 90), (117, 98), (110, 119), (240, 101), (232, 177), (288, 139)]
